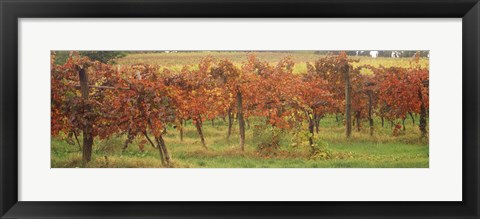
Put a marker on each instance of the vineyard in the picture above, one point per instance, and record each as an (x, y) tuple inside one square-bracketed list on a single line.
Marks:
[(239, 109)]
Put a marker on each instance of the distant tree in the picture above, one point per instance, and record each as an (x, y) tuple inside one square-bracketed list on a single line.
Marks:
[(61, 57), (424, 53), (351, 53), (364, 53), (411, 53), (384, 53), (103, 56)]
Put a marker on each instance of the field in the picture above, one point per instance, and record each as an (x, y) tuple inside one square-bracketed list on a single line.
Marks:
[(397, 143), (361, 151), (176, 61)]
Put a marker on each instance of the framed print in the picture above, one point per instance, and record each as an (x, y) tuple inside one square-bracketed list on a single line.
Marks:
[(239, 109)]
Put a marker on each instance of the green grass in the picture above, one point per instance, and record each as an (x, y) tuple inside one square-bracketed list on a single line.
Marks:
[(360, 151)]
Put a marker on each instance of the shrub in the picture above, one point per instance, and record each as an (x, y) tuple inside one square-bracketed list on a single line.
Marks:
[(267, 139), (318, 150)]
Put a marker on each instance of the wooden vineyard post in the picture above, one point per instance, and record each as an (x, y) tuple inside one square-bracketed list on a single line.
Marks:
[(423, 110), (369, 90), (241, 122), (423, 116), (348, 102), (311, 126), (230, 123), (370, 111), (87, 130), (181, 129)]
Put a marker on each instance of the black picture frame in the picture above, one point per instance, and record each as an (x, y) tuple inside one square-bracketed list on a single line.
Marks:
[(12, 10)]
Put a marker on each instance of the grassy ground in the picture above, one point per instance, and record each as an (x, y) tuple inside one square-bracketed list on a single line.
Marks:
[(175, 61), (361, 151)]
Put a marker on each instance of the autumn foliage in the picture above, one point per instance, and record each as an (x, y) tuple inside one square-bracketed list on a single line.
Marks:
[(143, 100)]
